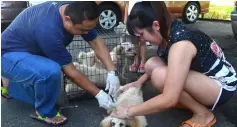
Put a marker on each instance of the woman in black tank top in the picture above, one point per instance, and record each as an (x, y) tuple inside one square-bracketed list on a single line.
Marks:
[(190, 69)]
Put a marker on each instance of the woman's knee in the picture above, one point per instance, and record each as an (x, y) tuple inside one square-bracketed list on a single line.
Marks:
[(158, 77), (153, 63)]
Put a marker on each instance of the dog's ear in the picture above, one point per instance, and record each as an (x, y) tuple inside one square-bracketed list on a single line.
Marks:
[(134, 122), (120, 50), (106, 122)]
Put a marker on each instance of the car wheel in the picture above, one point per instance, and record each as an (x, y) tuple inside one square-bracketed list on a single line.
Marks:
[(234, 23), (191, 12), (4, 26), (109, 17)]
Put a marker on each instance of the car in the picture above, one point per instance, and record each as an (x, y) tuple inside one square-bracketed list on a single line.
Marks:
[(234, 21), (189, 10), (9, 10), (110, 13)]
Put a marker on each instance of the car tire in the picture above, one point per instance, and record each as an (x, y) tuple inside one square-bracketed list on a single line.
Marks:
[(4, 26), (234, 23), (191, 12), (109, 17)]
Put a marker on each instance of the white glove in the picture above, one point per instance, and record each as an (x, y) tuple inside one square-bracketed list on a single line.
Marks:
[(112, 83), (105, 101)]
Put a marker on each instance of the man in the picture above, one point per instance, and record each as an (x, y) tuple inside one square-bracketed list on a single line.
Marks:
[(34, 53)]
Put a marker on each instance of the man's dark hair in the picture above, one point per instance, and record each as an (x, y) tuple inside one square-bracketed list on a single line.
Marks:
[(79, 11)]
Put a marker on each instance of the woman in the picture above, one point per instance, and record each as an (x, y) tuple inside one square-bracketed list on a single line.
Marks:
[(190, 68)]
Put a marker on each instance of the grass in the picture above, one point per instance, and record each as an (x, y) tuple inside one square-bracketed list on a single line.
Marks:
[(219, 12)]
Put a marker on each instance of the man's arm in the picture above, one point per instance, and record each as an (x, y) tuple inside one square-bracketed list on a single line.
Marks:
[(81, 80), (102, 53), (53, 47)]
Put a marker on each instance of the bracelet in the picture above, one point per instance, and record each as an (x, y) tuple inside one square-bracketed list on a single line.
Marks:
[(126, 112)]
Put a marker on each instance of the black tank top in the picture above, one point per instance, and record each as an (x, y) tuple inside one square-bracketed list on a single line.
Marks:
[(209, 60)]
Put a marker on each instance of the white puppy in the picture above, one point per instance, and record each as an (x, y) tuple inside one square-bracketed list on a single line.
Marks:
[(96, 76), (125, 49), (130, 97)]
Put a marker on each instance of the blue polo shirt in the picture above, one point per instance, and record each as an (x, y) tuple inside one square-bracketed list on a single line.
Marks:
[(39, 30)]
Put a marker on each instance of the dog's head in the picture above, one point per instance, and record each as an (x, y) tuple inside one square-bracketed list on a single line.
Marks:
[(129, 49), (126, 49), (115, 122)]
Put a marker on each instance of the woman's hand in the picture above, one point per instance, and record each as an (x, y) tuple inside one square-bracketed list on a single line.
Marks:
[(121, 112)]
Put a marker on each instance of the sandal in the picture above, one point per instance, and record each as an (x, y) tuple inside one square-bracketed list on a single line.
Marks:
[(192, 124), (4, 93), (141, 68), (47, 120), (133, 67)]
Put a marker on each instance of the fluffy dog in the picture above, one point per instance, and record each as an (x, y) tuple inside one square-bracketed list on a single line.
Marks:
[(130, 97), (125, 49)]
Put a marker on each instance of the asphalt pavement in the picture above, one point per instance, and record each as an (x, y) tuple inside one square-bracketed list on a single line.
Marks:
[(16, 114)]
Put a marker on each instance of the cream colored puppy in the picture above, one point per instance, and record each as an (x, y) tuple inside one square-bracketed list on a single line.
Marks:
[(130, 97)]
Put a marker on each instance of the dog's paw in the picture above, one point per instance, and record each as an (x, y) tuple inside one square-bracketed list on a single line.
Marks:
[(76, 64), (109, 111)]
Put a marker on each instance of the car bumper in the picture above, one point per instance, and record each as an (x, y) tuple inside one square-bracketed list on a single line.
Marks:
[(234, 16), (234, 23)]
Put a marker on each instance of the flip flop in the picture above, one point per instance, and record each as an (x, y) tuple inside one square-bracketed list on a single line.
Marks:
[(192, 124), (46, 119), (4, 93)]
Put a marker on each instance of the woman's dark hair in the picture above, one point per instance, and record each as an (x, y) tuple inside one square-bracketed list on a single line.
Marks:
[(79, 11), (143, 14)]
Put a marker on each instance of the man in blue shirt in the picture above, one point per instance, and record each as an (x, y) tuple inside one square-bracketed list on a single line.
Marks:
[(34, 54)]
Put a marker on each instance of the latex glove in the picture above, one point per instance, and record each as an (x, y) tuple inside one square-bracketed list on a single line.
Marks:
[(112, 83), (105, 101)]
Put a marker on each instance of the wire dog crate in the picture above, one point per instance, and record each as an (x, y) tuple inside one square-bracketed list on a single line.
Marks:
[(85, 61)]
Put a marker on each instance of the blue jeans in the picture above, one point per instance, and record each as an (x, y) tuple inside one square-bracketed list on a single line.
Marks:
[(33, 79)]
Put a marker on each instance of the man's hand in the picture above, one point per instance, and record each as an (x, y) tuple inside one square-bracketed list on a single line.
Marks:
[(105, 101), (112, 83)]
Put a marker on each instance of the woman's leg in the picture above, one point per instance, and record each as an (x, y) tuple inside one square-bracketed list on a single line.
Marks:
[(196, 95), (143, 53), (36, 79), (143, 58), (134, 66)]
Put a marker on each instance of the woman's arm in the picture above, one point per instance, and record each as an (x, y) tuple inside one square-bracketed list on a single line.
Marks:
[(143, 79), (179, 60)]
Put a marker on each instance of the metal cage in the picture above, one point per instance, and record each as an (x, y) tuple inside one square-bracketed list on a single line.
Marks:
[(85, 61)]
